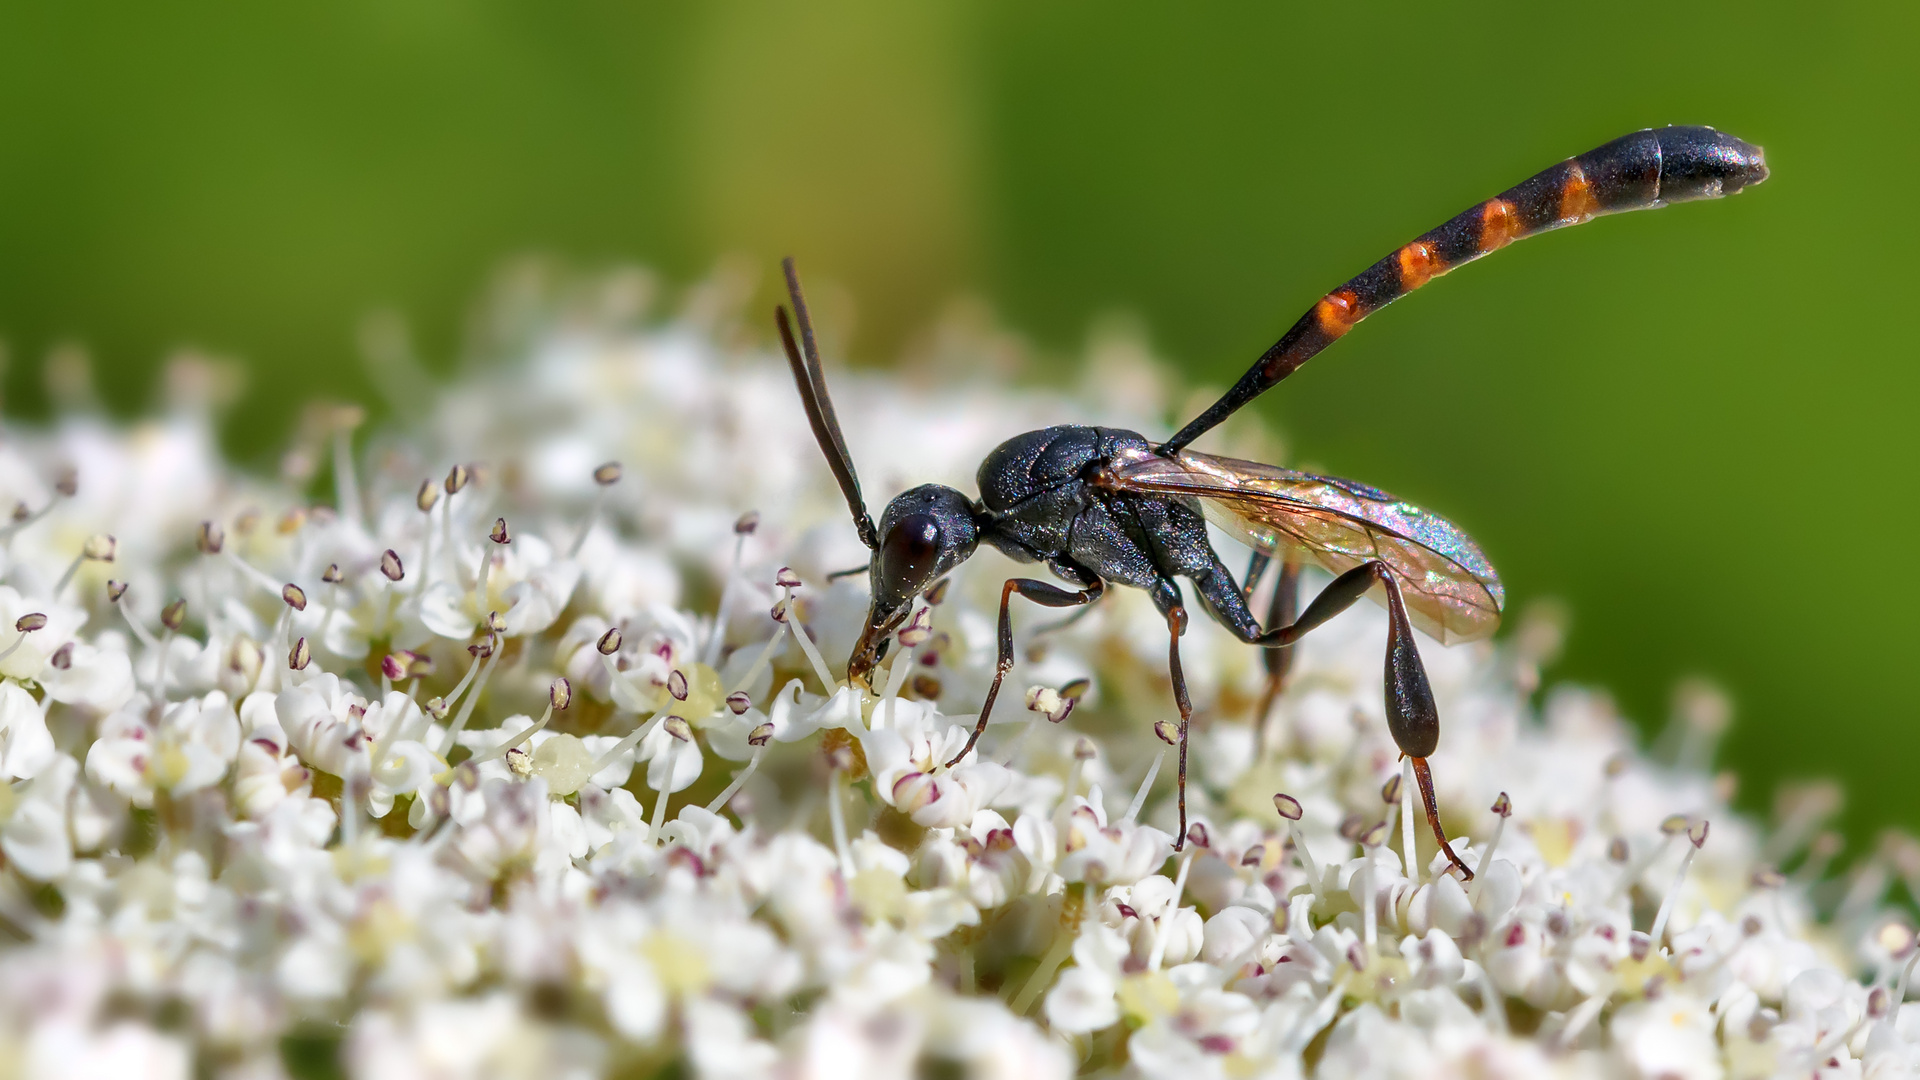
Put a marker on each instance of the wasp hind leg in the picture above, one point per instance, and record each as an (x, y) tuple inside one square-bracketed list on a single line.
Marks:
[(1412, 717)]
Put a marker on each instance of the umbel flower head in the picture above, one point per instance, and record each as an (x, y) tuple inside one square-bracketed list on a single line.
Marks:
[(528, 750)]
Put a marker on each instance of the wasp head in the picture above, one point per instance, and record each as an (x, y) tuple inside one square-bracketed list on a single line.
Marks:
[(924, 533)]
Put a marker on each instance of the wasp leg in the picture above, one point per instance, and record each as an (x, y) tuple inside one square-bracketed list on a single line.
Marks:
[(1412, 717), (1061, 624), (1176, 626), (1281, 609), (1046, 596), (1250, 580), (848, 572)]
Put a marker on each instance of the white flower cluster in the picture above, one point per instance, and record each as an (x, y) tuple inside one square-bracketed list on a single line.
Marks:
[(545, 766)]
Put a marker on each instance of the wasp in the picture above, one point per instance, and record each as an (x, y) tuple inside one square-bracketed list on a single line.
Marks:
[(1105, 506)]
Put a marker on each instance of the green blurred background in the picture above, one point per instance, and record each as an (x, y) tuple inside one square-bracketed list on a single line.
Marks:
[(1680, 422)]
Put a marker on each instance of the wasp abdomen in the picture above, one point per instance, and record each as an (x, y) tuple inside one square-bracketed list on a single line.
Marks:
[(1635, 172)]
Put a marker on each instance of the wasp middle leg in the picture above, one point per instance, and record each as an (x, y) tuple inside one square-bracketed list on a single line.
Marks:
[(1282, 608)]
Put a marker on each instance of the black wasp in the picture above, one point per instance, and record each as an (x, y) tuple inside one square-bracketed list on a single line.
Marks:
[(1105, 506)]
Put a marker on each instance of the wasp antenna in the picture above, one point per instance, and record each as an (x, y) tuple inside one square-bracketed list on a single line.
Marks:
[(804, 357)]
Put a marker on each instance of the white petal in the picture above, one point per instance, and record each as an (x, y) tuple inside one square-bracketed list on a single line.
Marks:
[(1082, 1001), (443, 610), (28, 745)]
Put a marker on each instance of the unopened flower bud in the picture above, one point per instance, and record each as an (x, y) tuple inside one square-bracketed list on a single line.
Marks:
[(607, 475), (1288, 806), (393, 667), (915, 633), (99, 548), (679, 729), (390, 565), (211, 539), (1042, 699), (1390, 791), (68, 482), (298, 657), (427, 497), (1168, 733), (915, 791), (115, 590), (174, 615), (30, 622), (457, 478), (609, 642), (738, 702), (499, 533), (1502, 805), (437, 708), (677, 684), (1893, 936), (332, 575), (295, 596), (786, 578), (560, 694), (760, 735)]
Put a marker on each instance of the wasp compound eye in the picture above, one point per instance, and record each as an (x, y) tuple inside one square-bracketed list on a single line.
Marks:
[(911, 548)]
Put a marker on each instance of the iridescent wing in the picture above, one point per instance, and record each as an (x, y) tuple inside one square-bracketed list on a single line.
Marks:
[(1451, 590)]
